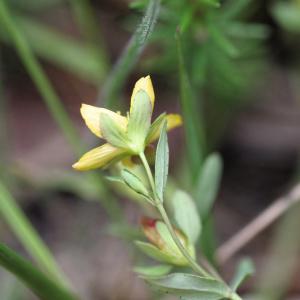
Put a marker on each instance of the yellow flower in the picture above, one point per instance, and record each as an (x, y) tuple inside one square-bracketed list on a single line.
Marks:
[(125, 136)]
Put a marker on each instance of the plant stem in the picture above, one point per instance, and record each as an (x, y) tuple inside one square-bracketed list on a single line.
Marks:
[(193, 264)]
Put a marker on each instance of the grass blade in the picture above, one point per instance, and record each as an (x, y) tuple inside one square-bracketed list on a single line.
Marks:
[(38, 76), (40, 284), (130, 55), (62, 50), (53, 103), (30, 239)]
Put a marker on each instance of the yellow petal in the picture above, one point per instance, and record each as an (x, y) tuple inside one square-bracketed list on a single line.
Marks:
[(91, 116), (99, 157), (145, 84), (174, 120)]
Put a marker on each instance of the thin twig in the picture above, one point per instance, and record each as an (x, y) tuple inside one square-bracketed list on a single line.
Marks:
[(250, 231)]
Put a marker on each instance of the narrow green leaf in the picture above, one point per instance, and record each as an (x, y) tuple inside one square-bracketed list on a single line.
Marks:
[(204, 295), (155, 127), (193, 121), (43, 85), (234, 8), (244, 269), (153, 271), (113, 132), (39, 283), (130, 55), (61, 50), (23, 229), (134, 182), (208, 184), (221, 40), (139, 121), (162, 162), (184, 285), (186, 215)]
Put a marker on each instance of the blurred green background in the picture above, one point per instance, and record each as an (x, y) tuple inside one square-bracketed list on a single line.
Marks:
[(231, 68)]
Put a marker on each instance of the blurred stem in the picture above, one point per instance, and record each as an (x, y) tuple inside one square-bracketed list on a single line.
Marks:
[(159, 204), (261, 222), (130, 55), (283, 258), (44, 287), (4, 141), (53, 103), (22, 228), (90, 28), (39, 78)]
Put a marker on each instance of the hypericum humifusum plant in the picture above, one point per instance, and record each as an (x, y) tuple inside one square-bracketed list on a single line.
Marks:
[(170, 242)]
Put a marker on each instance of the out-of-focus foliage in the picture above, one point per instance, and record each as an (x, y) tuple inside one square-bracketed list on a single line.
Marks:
[(223, 52), (287, 14)]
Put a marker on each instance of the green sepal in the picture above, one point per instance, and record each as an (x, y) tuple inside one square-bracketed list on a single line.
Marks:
[(155, 127), (112, 132), (139, 121)]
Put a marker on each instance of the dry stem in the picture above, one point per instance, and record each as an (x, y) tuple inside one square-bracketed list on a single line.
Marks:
[(261, 222)]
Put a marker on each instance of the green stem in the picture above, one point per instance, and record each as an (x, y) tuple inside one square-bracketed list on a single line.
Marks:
[(159, 204), (193, 264)]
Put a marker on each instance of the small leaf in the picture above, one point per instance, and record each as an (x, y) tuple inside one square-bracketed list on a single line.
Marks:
[(152, 251), (162, 162), (134, 182), (187, 285), (186, 216), (153, 271), (112, 131), (208, 184), (139, 120), (39, 283), (244, 269)]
